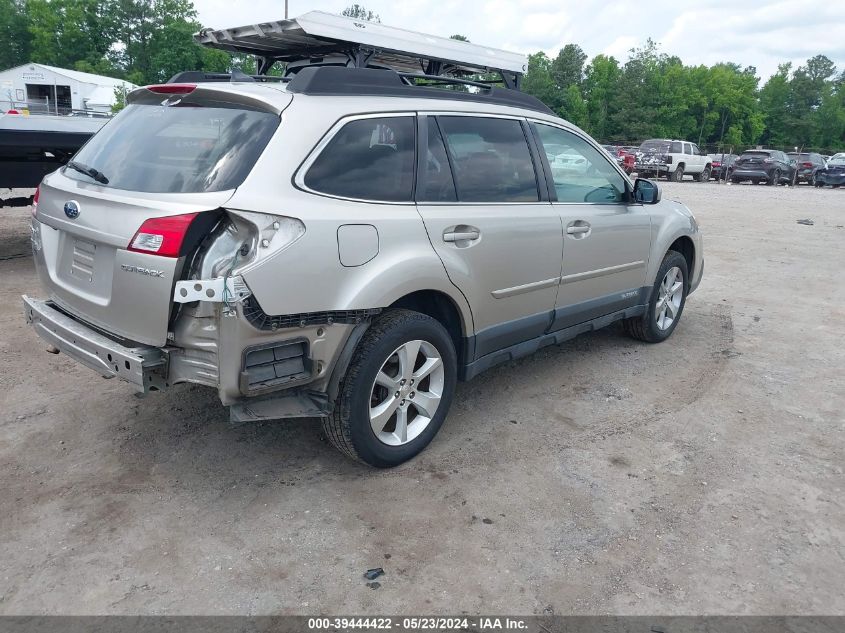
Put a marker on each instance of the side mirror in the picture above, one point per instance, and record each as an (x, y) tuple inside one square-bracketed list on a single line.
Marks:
[(646, 191)]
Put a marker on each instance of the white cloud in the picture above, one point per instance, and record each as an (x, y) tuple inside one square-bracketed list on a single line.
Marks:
[(764, 35)]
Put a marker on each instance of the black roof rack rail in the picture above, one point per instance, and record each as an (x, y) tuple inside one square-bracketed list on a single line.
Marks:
[(342, 81), (199, 76)]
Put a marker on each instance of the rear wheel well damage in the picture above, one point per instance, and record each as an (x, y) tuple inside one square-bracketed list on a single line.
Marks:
[(437, 305), (685, 247)]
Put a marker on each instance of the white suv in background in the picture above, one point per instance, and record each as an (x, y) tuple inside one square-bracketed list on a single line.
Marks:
[(672, 159)]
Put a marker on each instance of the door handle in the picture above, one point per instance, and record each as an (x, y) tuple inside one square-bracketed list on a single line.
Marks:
[(578, 229), (465, 234)]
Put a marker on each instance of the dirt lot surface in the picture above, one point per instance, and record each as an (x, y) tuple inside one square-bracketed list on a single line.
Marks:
[(703, 475)]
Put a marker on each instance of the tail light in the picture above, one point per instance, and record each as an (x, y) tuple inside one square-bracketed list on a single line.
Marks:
[(806, 164), (35, 200), (162, 236)]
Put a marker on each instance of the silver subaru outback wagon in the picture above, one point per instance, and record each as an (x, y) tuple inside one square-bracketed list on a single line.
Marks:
[(345, 245)]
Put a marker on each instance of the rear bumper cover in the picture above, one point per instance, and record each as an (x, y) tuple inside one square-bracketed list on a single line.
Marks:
[(749, 174), (143, 367)]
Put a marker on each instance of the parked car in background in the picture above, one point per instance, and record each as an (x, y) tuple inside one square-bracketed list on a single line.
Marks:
[(763, 165), (809, 164), (672, 159), (623, 156), (834, 173), (721, 165)]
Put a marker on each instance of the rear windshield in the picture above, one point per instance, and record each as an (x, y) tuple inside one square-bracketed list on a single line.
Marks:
[(177, 149), (655, 146), (755, 155)]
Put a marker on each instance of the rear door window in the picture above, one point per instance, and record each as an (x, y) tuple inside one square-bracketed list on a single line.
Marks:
[(187, 148), (368, 159), (490, 158)]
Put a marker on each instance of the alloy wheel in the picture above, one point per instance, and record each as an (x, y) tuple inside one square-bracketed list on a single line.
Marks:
[(669, 297), (406, 392)]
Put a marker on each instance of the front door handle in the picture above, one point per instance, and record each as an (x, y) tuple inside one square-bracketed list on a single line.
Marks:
[(578, 229), (461, 233)]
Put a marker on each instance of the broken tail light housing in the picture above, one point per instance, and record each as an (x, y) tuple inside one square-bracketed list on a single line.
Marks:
[(162, 236), (35, 200)]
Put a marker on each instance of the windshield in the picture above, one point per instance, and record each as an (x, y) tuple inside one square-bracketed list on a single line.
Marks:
[(175, 149)]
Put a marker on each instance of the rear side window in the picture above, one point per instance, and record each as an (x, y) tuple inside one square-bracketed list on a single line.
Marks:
[(177, 148), (490, 158), (676, 148), (437, 183), (368, 159)]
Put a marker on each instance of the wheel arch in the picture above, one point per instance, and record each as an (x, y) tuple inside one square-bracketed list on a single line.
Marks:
[(443, 309), (686, 247)]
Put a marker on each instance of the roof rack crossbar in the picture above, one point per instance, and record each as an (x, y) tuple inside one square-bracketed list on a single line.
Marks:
[(440, 79)]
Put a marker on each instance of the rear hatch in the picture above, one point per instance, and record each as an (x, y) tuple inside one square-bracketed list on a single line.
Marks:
[(754, 160), (114, 240)]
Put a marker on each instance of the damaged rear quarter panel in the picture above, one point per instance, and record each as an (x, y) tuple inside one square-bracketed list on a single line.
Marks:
[(308, 276)]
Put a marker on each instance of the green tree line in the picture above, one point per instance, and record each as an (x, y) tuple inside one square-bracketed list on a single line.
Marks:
[(652, 94)]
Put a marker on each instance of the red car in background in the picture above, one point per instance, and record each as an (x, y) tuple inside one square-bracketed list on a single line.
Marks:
[(623, 156)]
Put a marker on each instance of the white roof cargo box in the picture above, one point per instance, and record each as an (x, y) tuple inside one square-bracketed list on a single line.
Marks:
[(317, 34)]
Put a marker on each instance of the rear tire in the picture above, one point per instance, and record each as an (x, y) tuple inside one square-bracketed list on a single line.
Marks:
[(404, 429), (678, 174), (653, 327), (775, 179), (705, 175)]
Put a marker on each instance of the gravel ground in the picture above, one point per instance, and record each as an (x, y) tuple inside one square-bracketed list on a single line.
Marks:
[(703, 475)]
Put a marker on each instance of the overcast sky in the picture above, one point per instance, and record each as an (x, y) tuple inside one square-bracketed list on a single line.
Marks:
[(715, 30)]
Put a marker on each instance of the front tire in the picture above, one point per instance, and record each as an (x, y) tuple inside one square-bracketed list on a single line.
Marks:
[(666, 305), (396, 392)]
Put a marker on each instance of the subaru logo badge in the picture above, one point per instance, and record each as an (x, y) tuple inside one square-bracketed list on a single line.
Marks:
[(72, 209)]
